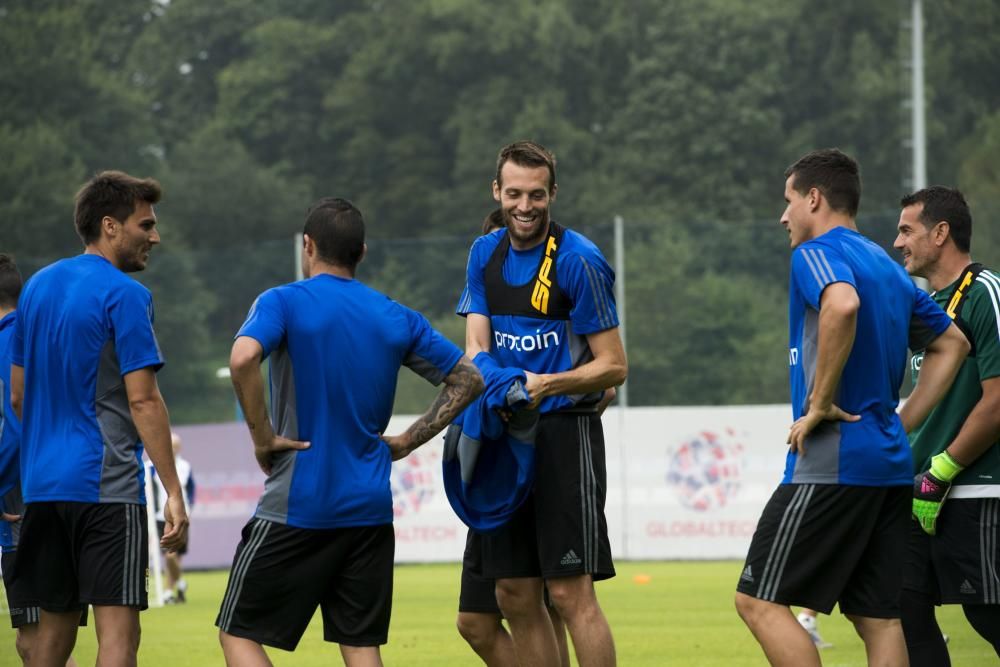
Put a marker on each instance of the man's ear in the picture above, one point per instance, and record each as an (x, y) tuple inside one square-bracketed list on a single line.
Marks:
[(364, 253), (110, 226), (496, 191), (941, 232), (552, 195), (815, 197)]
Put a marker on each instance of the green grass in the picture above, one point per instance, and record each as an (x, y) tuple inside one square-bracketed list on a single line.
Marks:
[(682, 616)]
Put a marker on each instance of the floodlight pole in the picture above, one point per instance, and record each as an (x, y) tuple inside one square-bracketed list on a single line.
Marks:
[(297, 253), (620, 294), (918, 125), (622, 390)]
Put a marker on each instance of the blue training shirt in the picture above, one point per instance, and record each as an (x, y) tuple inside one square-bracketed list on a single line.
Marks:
[(873, 451), (82, 325), (335, 347), (10, 441), (545, 345)]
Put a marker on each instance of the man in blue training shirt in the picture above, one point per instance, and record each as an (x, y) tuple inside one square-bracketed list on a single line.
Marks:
[(83, 379), (835, 529), (540, 297), (322, 533)]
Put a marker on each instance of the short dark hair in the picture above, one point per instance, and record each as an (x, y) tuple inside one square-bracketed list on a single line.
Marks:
[(947, 204), (832, 172), (528, 154), (494, 221), (111, 193), (10, 282), (338, 230)]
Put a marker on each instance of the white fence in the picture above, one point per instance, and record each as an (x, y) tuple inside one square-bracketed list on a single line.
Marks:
[(683, 483)]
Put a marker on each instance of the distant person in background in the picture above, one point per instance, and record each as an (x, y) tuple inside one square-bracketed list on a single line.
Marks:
[(322, 533), (176, 590), (834, 531), (807, 619), (954, 550), (23, 617)]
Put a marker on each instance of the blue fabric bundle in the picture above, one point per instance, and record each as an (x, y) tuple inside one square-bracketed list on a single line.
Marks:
[(489, 464)]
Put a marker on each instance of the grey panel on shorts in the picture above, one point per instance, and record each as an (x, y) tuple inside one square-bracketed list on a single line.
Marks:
[(121, 469), (821, 462), (273, 504)]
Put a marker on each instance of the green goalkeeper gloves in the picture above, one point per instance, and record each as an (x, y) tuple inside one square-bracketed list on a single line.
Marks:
[(931, 488)]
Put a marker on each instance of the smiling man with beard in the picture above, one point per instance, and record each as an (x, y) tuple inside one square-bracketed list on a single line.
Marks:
[(540, 298)]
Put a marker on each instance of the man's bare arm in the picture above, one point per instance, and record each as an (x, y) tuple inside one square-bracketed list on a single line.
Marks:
[(462, 385), (478, 334), (149, 413), (17, 389), (942, 359), (244, 370), (981, 429), (838, 319), (607, 369)]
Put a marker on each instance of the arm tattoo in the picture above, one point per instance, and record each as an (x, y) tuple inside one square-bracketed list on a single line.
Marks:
[(462, 386)]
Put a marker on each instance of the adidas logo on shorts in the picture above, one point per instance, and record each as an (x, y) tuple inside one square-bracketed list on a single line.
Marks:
[(966, 588), (747, 575), (570, 558)]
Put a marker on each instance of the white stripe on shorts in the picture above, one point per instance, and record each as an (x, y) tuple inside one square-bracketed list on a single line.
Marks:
[(257, 535), (988, 514), (783, 541), (131, 557), (588, 496)]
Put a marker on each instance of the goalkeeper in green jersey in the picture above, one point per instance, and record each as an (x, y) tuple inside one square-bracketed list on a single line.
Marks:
[(954, 550)]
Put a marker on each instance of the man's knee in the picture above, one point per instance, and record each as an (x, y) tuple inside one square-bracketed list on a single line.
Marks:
[(572, 595), (868, 627), (518, 596), (749, 608), (478, 630), (23, 642)]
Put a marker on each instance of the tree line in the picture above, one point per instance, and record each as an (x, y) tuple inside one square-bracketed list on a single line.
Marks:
[(677, 115)]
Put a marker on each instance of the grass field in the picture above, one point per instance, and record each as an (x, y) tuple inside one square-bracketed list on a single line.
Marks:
[(682, 616)]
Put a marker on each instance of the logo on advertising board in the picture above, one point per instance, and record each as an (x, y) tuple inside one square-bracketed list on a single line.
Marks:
[(413, 480), (704, 470)]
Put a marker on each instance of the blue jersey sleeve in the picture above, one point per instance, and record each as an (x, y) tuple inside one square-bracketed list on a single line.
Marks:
[(928, 321), (131, 314), (16, 349), (590, 282), (473, 299), (431, 355), (265, 322), (814, 267)]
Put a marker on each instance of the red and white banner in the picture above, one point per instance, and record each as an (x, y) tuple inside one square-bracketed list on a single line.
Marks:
[(682, 483)]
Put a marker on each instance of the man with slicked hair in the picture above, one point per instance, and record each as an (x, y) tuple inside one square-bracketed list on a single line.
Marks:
[(834, 531)]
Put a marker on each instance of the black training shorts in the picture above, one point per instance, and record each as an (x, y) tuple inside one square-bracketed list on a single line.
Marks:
[(74, 554), (821, 544), (561, 529), (280, 575), (961, 563), (478, 592)]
